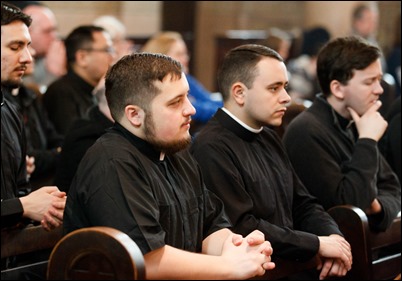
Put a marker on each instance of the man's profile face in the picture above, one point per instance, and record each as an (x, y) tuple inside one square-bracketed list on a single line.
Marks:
[(15, 55), (167, 123)]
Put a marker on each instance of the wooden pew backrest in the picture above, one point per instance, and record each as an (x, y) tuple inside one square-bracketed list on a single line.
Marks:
[(376, 255), (96, 253), (32, 241), (28, 239)]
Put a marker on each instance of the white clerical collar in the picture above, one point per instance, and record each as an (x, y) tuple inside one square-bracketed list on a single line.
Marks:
[(242, 123)]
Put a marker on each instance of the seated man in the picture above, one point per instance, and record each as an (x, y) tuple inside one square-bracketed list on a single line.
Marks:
[(90, 52), (245, 164), (333, 144), (138, 178), (44, 206), (81, 136)]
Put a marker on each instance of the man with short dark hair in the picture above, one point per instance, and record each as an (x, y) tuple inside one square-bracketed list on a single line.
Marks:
[(139, 178), (245, 164), (90, 52), (333, 145), (45, 205)]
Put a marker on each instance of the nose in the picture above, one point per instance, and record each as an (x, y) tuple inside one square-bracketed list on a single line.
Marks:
[(26, 56), (189, 109), (285, 97), (379, 90)]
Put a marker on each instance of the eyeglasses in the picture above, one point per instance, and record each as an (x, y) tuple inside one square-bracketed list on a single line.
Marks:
[(109, 50)]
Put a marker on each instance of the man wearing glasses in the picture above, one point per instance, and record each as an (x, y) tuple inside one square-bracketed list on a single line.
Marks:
[(89, 54)]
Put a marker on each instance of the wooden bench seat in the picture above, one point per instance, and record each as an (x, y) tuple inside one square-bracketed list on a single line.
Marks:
[(376, 255)]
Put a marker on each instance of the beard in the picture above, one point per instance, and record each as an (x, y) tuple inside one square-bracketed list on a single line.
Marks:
[(9, 84), (168, 147)]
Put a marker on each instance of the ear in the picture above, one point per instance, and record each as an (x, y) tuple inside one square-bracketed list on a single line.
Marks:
[(81, 57), (135, 115), (337, 89), (238, 92)]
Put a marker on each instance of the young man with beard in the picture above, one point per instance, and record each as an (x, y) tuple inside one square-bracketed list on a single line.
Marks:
[(46, 204), (139, 178)]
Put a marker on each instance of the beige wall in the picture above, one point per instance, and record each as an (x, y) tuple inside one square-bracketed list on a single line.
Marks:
[(141, 18), (214, 18)]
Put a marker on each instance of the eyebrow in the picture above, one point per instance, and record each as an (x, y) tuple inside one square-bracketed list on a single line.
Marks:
[(278, 84), (19, 42)]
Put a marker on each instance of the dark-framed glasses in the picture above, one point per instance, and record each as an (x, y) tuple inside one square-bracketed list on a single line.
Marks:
[(109, 50)]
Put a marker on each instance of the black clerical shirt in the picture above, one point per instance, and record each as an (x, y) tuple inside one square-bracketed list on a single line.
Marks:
[(121, 182)]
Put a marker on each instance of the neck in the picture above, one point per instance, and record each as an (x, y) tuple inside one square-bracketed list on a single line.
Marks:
[(339, 106)]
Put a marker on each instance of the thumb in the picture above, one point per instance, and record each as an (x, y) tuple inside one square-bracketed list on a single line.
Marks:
[(50, 189), (375, 106)]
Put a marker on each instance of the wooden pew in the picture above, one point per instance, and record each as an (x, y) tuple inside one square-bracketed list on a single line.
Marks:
[(25, 240), (376, 255), (96, 253)]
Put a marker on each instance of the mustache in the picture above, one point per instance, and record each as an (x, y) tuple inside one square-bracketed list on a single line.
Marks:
[(22, 67)]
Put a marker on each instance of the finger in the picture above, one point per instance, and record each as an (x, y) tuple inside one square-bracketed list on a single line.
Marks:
[(320, 264), (50, 189), (261, 272), (237, 239), (59, 193), (57, 214), (334, 270), (52, 221), (326, 268), (268, 250), (375, 106), (59, 205), (268, 265), (45, 225), (346, 261), (255, 238)]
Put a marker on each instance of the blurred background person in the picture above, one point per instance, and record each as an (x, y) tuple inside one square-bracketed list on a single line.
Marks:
[(394, 57), (122, 46), (90, 52), (43, 141), (82, 135), (390, 143), (280, 41), (303, 81), (365, 19), (172, 44), (365, 22), (118, 32), (50, 58)]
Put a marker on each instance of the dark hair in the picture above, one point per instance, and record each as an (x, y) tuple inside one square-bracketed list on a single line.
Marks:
[(23, 4), (339, 58), (313, 40), (131, 80), (78, 39), (239, 65), (10, 13)]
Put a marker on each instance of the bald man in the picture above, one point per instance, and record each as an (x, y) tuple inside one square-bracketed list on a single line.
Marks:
[(50, 58)]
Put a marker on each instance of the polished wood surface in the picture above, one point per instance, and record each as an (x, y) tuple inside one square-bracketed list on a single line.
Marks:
[(376, 255), (96, 253)]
